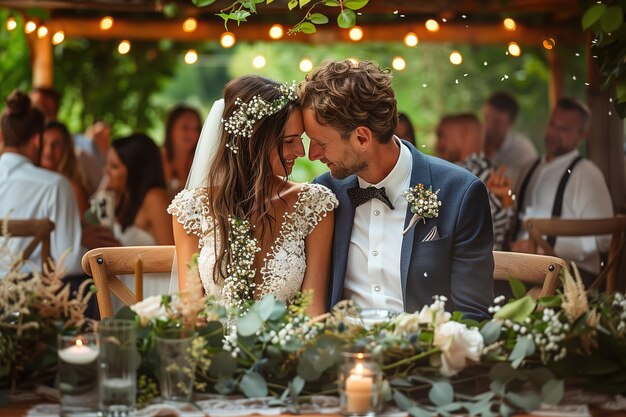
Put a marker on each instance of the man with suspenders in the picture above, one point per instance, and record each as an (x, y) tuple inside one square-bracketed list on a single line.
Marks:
[(564, 184)]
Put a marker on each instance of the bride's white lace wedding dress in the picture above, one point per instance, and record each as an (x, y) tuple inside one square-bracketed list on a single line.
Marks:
[(284, 265)]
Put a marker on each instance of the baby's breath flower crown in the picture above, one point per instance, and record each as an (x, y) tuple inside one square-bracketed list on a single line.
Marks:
[(241, 122)]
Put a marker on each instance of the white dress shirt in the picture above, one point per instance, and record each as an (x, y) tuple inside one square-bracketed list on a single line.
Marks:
[(586, 197), (29, 192), (516, 152), (373, 269)]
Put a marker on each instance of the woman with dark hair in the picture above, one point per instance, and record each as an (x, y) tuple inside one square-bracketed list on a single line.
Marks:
[(134, 172), (182, 130), (58, 155), (256, 231)]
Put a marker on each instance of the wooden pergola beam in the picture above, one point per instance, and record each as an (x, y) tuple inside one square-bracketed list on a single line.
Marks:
[(250, 31)]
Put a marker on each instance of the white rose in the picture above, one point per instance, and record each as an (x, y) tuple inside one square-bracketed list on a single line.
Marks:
[(406, 323), (148, 309), (457, 344), (434, 316)]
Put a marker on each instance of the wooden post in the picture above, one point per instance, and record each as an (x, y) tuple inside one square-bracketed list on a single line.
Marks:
[(555, 83), (42, 60)]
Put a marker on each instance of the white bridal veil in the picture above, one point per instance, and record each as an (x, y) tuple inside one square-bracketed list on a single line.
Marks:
[(202, 162)]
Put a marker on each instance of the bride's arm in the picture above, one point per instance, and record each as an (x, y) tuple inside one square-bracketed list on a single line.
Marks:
[(319, 246), (186, 246)]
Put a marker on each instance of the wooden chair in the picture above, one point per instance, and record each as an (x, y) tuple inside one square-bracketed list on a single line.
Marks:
[(540, 271), (614, 226), (38, 229), (105, 264)]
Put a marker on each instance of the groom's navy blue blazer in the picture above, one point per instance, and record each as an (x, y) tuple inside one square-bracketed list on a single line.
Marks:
[(458, 265)]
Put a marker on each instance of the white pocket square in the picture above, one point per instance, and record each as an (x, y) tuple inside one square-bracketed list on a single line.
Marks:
[(432, 235)]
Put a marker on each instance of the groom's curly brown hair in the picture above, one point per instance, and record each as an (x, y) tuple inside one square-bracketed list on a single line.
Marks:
[(345, 95)]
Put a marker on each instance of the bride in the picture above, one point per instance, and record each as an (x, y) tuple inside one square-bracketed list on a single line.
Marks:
[(256, 232)]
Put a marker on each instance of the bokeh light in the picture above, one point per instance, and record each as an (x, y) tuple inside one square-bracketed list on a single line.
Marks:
[(227, 39), (411, 39), (398, 63), (106, 23), (190, 24), (456, 58), (276, 31), (259, 61), (356, 33), (509, 24), (191, 57), (58, 37), (124, 47), (432, 25), (306, 65)]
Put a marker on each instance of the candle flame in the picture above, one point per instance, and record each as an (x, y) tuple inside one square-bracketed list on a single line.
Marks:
[(358, 369), (79, 342)]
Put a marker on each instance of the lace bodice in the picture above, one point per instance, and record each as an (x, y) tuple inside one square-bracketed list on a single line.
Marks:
[(284, 265)]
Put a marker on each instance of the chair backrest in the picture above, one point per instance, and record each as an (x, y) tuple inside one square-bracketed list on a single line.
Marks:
[(540, 271), (39, 230), (614, 226), (105, 264)]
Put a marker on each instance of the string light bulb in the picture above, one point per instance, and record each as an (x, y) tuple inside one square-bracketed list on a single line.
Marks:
[(356, 33), (276, 31), (191, 57), (106, 23), (258, 61), (227, 39), (509, 24), (11, 23), (190, 24), (58, 37), (549, 43), (30, 27), (514, 49), (42, 32), (410, 39), (456, 58), (398, 63), (432, 25), (306, 65), (124, 47)]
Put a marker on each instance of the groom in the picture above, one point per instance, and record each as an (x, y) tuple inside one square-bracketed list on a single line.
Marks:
[(350, 114)]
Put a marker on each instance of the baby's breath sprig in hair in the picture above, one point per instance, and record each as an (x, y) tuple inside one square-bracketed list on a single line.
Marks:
[(241, 122)]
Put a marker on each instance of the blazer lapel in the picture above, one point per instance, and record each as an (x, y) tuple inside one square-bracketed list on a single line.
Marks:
[(344, 219), (420, 173)]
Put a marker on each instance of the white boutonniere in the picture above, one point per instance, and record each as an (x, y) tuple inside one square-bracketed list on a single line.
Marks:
[(424, 204)]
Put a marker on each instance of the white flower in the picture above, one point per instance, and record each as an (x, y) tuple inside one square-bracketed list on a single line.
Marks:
[(457, 344), (148, 309), (407, 323)]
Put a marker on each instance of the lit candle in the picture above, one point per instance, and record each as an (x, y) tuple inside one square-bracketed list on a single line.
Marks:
[(359, 390), (78, 354)]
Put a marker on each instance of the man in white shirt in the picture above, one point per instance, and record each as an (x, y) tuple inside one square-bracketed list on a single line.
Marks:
[(28, 192), (380, 259), (584, 193), (503, 146)]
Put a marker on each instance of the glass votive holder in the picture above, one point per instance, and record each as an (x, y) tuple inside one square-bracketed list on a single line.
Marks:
[(118, 365), (78, 374), (176, 365), (360, 381)]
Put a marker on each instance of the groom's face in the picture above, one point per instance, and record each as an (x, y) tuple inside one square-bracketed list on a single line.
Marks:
[(340, 155)]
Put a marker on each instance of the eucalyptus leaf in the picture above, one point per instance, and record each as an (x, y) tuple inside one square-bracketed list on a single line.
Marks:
[(402, 400), (307, 371), (497, 387), (253, 385), (441, 393), (355, 4), (400, 382), (524, 347), (505, 410), (222, 365), (527, 401), (593, 15), (502, 371), (552, 391), (491, 332), (249, 324), (517, 288), (307, 27), (278, 310), (612, 19), (202, 3), (265, 307), (297, 384), (318, 18), (125, 313), (517, 310), (539, 376), (225, 386), (346, 19)]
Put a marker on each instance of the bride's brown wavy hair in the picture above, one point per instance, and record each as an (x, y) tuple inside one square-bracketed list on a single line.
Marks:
[(241, 182)]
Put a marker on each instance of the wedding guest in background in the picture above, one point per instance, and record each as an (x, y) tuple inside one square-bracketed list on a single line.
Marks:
[(134, 172), (47, 100), (504, 146), (30, 192), (182, 131), (58, 155), (405, 130), (460, 140), (91, 150), (564, 184)]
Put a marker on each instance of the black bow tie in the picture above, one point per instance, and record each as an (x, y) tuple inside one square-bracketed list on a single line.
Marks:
[(360, 195)]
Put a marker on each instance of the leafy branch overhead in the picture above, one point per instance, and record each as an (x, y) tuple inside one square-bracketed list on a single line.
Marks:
[(240, 10)]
